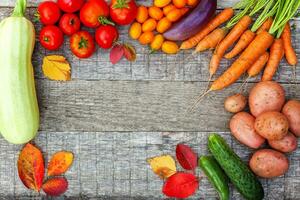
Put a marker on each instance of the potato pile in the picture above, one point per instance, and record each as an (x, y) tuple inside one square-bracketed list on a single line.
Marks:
[(271, 119)]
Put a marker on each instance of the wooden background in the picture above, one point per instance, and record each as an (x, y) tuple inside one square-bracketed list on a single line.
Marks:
[(113, 117)]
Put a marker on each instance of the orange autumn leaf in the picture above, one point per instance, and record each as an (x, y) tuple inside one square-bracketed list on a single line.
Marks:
[(31, 167), (55, 186), (60, 163), (57, 68), (164, 166)]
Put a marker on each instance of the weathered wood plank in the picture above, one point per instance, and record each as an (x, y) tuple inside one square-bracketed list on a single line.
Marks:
[(181, 67), (34, 3), (133, 106), (110, 164)]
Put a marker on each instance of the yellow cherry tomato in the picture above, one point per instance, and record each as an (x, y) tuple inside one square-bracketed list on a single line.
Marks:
[(161, 3), (170, 47), (157, 42), (135, 30)]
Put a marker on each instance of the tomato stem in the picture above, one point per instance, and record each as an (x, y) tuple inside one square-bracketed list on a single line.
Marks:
[(121, 4), (83, 43), (104, 21)]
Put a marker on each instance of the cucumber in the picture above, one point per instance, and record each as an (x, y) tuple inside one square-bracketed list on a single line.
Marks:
[(215, 175), (238, 172)]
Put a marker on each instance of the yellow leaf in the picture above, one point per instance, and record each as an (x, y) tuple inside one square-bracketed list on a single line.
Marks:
[(57, 68), (164, 166)]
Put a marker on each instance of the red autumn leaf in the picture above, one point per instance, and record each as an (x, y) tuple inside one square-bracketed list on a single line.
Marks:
[(31, 167), (55, 186), (186, 157), (116, 53), (129, 52), (60, 163), (181, 185)]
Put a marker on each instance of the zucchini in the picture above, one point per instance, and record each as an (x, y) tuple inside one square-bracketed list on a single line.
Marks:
[(215, 175), (238, 172), (19, 113)]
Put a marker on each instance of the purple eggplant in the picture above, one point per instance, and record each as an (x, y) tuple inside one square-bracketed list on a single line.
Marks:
[(193, 22)]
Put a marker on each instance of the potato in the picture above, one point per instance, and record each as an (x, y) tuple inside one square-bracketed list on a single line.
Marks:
[(266, 96), (287, 144), (272, 125), (242, 128), (235, 103), (292, 111), (268, 163)]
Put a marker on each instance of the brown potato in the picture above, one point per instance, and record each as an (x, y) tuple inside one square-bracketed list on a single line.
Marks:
[(268, 163), (266, 96), (242, 128), (292, 111), (287, 144), (272, 125), (235, 103)]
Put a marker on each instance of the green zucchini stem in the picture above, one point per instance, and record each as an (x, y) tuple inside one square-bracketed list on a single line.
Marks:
[(20, 8)]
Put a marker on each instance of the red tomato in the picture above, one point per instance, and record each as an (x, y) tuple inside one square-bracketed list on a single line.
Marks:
[(51, 37), (94, 13), (123, 12), (69, 23), (106, 35), (82, 44), (70, 6), (48, 12)]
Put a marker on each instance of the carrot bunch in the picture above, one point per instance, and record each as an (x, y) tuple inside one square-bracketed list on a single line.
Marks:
[(265, 43)]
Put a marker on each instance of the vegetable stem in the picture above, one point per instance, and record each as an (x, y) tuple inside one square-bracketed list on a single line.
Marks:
[(20, 7)]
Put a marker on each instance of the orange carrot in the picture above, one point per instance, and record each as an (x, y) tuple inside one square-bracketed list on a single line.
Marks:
[(276, 54), (211, 40), (243, 42), (289, 51), (256, 48), (232, 36), (222, 17), (265, 26), (256, 68)]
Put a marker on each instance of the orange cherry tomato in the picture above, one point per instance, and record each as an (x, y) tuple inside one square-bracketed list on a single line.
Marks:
[(174, 15), (155, 12), (142, 14), (161, 3), (179, 3), (135, 30), (192, 2), (157, 42), (146, 37), (163, 25), (149, 25), (168, 8)]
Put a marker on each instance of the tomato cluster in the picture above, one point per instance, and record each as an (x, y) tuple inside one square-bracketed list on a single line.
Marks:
[(66, 17)]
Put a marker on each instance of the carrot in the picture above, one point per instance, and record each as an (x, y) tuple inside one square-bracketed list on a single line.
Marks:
[(243, 42), (265, 26), (256, 68), (222, 17), (211, 40), (276, 54), (256, 48), (232, 36), (289, 51)]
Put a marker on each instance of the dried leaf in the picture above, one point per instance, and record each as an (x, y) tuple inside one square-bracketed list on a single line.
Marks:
[(129, 52), (60, 163), (181, 185), (57, 68), (31, 167), (116, 53), (55, 186), (164, 166), (186, 157)]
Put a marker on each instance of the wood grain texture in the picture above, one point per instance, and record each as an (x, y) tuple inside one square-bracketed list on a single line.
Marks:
[(157, 66), (133, 106), (111, 164)]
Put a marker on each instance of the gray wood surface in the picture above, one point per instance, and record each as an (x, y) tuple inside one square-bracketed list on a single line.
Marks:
[(113, 117)]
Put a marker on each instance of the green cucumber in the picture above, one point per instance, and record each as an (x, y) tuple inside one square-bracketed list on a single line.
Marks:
[(238, 172), (215, 175)]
